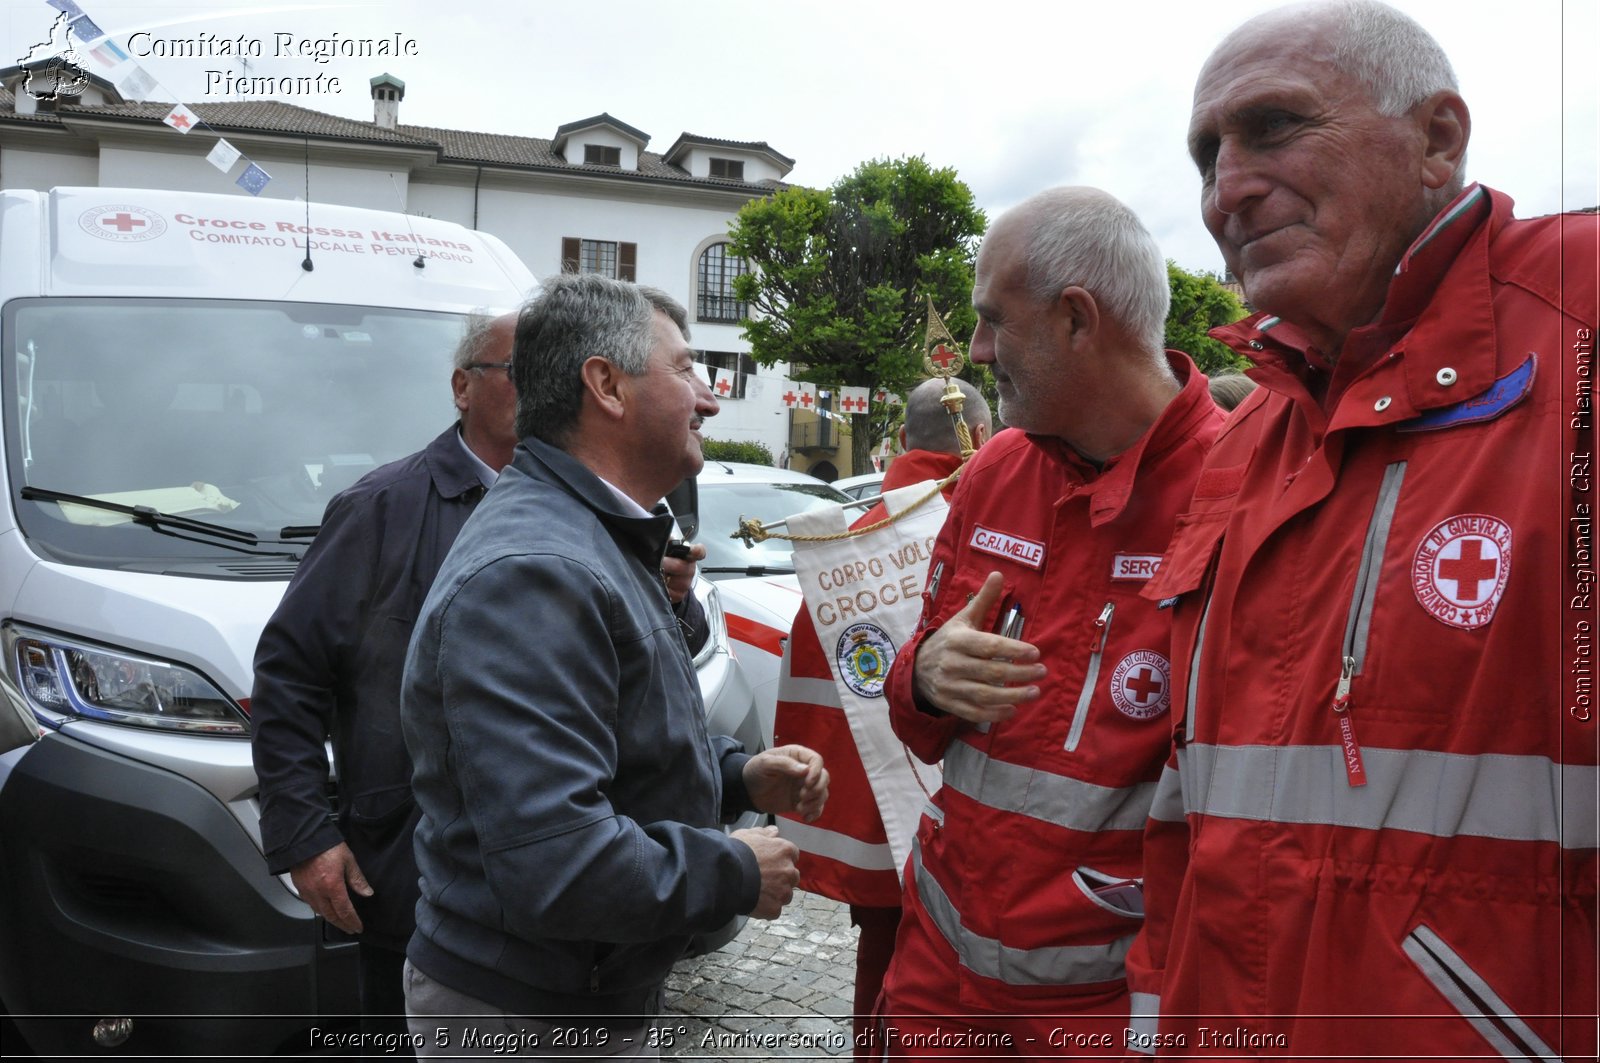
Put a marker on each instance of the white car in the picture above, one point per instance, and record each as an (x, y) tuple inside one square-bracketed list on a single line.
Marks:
[(864, 486), (759, 592)]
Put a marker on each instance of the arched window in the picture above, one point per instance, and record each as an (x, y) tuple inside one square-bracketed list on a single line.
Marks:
[(717, 302)]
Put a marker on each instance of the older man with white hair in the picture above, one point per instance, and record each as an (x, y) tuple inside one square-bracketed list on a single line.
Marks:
[(1383, 843)]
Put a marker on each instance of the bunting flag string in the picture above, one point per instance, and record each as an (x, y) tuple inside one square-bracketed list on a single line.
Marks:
[(134, 82)]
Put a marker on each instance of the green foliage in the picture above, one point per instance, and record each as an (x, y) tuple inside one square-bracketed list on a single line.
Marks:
[(840, 277), (737, 450), (1200, 303)]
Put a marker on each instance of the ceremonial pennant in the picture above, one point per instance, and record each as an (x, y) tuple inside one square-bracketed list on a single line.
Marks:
[(108, 55), (85, 30)]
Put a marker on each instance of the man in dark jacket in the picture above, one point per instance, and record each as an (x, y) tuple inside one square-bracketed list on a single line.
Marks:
[(330, 659), (569, 843)]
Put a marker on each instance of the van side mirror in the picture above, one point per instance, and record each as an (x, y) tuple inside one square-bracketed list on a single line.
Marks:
[(684, 501)]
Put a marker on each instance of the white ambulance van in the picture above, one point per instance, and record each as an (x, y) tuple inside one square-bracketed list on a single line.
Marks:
[(183, 391)]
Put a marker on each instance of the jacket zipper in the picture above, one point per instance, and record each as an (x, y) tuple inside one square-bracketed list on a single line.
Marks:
[(1358, 627), (1080, 714)]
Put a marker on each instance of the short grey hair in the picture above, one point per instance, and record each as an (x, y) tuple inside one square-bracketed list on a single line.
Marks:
[(1399, 61), (928, 424), (572, 318), (1089, 238), (474, 340)]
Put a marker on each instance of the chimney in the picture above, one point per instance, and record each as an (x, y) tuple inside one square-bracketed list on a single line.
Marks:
[(387, 92)]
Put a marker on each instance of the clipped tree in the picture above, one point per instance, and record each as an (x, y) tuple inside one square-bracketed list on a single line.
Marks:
[(737, 450), (1200, 303), (840, 275)]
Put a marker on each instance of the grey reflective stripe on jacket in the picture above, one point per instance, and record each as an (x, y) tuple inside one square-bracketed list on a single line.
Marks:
[(1517, 798), (1050, 965), (1057, 799)]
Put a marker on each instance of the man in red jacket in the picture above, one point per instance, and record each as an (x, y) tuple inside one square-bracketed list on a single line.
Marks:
[(1384, 840), (844, 854), (1022, 893)]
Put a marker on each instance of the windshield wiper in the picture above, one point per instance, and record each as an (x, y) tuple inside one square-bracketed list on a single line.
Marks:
[(154, 518), (142, 514), (752, 570)]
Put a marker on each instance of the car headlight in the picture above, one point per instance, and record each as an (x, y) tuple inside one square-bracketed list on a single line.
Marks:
[(712, 602), (63, 679)]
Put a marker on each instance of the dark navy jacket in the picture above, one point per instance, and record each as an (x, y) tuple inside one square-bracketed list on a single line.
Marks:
[(569, 842), (329, 663)]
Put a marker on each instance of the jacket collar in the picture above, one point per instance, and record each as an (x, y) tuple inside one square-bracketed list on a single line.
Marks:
[(1111, 487), (538, 459), (915, 466), (451, 470), (1423, 352)]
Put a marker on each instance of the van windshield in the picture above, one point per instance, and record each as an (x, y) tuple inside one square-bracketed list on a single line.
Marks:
[(248, 416)]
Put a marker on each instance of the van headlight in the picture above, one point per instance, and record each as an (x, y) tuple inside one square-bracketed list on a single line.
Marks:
[(63, 679), (711, 601)]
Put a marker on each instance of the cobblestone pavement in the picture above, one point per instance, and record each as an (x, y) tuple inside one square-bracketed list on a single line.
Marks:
[(781, 989)]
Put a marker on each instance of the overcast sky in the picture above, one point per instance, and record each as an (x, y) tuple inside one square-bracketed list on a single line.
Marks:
[(1015, 96)]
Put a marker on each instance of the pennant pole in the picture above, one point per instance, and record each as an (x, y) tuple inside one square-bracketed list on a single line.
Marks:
[(942, 357)]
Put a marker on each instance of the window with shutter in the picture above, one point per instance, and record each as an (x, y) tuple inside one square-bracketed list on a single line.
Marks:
[(732, 169), (599, 155), (609, 258)]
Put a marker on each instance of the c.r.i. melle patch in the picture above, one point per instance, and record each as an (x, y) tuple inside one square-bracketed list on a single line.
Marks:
[(865, 653), (1460, 569)]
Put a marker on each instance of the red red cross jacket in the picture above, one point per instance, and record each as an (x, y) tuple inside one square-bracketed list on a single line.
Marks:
[(1019, 855), (844, 854), (1378, 834)]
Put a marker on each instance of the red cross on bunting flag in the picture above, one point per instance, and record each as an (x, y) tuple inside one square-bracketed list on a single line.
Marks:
[(853, 400), (182, 119)]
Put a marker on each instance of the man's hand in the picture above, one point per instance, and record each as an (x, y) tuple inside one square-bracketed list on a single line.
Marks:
[(968, 672), (325, 881), (779, 876), (678, 572), (787, 779)]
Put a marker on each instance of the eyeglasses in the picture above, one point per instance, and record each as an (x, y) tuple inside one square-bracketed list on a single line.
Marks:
[(490, 365)]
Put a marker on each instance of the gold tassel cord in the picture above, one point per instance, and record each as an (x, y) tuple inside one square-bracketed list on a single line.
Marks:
[(753, 531)]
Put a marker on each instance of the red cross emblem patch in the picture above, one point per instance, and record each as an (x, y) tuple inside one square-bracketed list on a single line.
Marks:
[(1141, 686), (1460, 570)]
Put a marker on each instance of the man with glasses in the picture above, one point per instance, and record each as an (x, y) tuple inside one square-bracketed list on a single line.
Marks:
[(330, 660)]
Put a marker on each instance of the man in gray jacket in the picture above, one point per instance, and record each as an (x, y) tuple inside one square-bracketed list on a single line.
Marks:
[(569, 843)]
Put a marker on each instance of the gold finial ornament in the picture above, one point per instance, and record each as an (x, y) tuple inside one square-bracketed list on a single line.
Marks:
[(942, 357)]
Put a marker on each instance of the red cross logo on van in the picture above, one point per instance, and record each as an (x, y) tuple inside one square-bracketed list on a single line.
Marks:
[(122, 223)]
